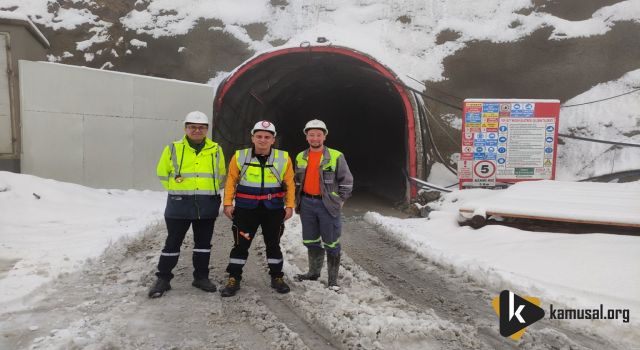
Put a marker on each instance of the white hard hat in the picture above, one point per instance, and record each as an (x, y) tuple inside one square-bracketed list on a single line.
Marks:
[(315, 124), (264, 125), (196, 117)]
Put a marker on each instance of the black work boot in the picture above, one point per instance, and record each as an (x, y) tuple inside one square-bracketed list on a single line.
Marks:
[(205, 284), (333, 265), (316, 260), (158, 288), (280, 285), (233, 285)]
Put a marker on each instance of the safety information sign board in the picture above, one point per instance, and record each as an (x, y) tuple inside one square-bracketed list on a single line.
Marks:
[(508, 140)]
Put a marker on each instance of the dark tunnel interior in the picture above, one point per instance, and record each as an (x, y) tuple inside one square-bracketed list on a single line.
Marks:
[(363, 112)]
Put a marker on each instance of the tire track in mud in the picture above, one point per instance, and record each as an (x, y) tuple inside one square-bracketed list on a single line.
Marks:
[(256, 284), (452, 296), (364, 313)]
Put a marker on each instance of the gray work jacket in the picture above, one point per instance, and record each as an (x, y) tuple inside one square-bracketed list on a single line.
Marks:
[(336, 181)]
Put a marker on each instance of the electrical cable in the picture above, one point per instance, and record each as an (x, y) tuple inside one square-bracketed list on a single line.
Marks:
[(455, 143), (635, 172), (432, 88), (617, 143), (604, 99), (423, 130), (563, 135), (433, 144)]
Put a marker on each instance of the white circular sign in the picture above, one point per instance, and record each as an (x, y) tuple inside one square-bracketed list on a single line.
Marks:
[(484, 169)]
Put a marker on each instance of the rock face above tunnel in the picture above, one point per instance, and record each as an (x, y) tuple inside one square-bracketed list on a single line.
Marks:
[(534, 67), (537, 65), (107, 43), (481, 68)]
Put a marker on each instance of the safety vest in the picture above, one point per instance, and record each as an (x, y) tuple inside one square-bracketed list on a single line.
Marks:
[(261, 182), (325, 164), (183, 172)]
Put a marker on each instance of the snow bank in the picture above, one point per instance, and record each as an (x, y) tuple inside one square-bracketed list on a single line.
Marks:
[(575, 270), (49, 227)]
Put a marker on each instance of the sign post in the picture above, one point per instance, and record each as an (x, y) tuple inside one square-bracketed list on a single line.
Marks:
[(508, 140)]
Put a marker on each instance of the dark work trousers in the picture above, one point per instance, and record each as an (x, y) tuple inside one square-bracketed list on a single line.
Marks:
[(202, 233), (319, 229), (245, 225)]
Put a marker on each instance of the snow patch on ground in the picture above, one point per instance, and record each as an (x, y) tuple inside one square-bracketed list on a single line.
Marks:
[(51, 227), (441, 175), (575, 271)]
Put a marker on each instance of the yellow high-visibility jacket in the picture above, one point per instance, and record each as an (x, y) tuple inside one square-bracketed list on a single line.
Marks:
[(193, 181), (272, 184)]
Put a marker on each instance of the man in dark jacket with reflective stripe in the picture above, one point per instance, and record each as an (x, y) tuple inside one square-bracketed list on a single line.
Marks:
[(261, 185), (193, 171)]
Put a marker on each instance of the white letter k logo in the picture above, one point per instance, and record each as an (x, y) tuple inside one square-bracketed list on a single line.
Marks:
[(517, 313)]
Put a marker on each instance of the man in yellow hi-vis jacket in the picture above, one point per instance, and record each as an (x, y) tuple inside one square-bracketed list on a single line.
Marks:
[(192, 170)]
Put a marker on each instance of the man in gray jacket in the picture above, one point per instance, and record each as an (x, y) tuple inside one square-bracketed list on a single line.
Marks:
[(323, 184)]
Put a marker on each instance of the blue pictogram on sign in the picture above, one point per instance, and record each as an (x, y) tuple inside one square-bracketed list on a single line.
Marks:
[(502, 150), (471, 117), (548, 150), (550, 128), (502, 139), (501, 160), (491, 107), (503, 128), (549, 139)]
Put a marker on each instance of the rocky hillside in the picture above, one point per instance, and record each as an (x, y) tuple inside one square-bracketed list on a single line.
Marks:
[(459, 49)]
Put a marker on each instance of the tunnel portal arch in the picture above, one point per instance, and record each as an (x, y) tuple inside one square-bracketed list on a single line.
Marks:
[(371, 118)]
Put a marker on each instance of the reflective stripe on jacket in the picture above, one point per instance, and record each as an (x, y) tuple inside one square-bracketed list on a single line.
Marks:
[(259, 182), (336, 181), (193, 181)]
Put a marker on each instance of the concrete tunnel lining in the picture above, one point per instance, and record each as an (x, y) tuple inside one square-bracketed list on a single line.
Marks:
[(370, 118)]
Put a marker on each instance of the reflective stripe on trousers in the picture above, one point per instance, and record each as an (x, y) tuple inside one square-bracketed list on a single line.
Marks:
[(319, 228)]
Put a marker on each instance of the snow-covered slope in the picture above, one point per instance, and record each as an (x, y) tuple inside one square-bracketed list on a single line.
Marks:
[(203, 40)]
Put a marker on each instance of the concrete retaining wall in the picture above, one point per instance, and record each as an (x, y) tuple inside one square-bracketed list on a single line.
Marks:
[(100, 128)]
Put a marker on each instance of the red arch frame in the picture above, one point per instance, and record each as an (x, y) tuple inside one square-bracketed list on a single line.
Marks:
[(411, 142)]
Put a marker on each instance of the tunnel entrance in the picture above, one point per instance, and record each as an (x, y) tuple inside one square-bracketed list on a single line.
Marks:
[(369, 116)]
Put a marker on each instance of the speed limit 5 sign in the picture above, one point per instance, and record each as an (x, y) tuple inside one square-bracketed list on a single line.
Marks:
[(484, 169), (484, 173)]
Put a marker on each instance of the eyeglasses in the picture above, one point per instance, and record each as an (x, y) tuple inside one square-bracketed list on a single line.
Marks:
[(197, 127)]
